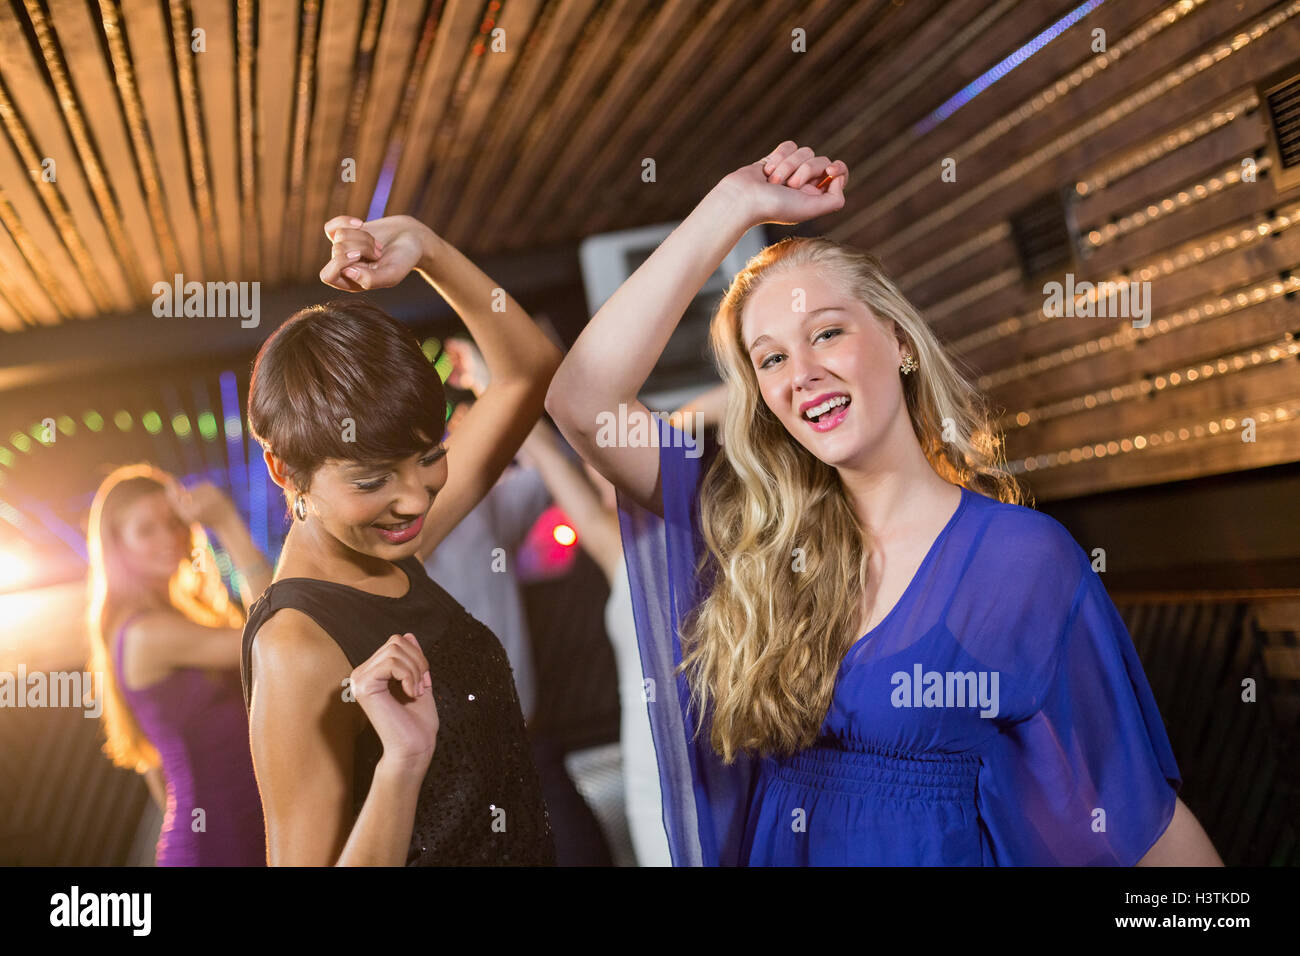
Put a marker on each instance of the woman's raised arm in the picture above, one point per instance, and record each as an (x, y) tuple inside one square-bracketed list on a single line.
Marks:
[(614, 355)]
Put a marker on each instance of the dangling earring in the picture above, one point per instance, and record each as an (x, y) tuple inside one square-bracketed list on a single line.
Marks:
[(909, 365), (300, 508)]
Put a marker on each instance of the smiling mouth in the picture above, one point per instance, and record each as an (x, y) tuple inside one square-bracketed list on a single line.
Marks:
[(826, 409), (396, 527)]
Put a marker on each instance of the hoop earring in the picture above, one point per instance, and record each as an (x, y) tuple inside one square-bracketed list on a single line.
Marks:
[(300, 508), (909, 365)]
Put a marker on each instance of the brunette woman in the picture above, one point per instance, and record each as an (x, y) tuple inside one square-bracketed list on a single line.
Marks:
[(386, 728)]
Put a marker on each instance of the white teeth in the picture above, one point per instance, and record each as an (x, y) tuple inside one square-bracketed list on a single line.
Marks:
[(826, 406), (395, 527)]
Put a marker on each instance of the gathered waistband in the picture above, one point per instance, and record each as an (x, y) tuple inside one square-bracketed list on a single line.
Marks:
[(932, 777)]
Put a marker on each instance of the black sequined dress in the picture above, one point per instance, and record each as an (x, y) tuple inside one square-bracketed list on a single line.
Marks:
[(481, 802)]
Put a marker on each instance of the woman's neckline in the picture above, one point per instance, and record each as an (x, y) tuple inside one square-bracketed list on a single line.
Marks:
[(410, 584), (921, 568)]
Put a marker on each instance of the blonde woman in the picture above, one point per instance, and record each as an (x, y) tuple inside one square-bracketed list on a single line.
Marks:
[(865, 648), (166, 637)]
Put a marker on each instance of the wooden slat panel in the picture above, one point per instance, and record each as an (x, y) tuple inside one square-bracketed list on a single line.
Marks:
[(943, 53), (485, 83), (590, 62), (1254, 386), (215, 71), (277, 56), (399, 35), (901, 185), (1256, 261), (92, 82), (723, 52), (1254, 324), (640, 79), (1276, 443), (908, 240), (457, 24), (849, 40), (41, 245), (149, 37), (74, 201), (676, 81), (526, 106), (1277, 615), (1282, 663), (1217, 150), (332, 78), (19, 284)]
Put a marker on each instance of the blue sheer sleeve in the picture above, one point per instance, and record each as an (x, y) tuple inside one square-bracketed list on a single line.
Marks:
[(705, 802), (1088, 778)]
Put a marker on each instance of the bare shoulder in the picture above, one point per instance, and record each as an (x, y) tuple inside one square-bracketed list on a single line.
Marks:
[(295, 654)]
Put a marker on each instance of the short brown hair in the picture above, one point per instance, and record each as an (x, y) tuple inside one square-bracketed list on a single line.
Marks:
[(343, 360)]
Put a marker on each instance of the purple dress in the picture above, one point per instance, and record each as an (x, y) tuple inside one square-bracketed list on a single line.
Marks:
[(997, 716), (198, 725)]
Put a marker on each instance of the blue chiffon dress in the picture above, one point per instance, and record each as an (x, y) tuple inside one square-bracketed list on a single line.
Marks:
[(997, 716)]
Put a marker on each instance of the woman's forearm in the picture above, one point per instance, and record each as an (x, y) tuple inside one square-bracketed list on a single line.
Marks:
[(381, 835), (598, 532), (254, 570), (513, 347), (614, 355)]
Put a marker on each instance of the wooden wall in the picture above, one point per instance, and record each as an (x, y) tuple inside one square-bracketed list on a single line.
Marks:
[(1147, 142)]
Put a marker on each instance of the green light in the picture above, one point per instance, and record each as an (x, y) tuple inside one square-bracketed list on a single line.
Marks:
[(67, 425), (443, 365), (181, 425), (224, 564), (152, 422), (122, 419), (430, 348), (38, 432), (6, 457), (92, 420), (20, 441), (449, 408), (208, 426)]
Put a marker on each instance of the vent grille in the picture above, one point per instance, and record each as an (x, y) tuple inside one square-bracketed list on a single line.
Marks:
[(1043, 235), (1282, 97), (1284, 113)]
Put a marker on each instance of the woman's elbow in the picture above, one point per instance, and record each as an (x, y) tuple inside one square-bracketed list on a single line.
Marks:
[(558, 402)]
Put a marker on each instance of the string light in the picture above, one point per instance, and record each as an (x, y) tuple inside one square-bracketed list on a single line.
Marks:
[(1036, 104), (1201, 430), (991, 76), (1276, 351), (1156, 209), (1183, 136), (1229, 302), (1191, 253)]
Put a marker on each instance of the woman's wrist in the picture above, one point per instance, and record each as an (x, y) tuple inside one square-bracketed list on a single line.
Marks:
[(728, 204), (402, 772), (431, 246)]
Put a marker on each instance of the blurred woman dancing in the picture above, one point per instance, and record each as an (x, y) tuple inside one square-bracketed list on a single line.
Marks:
[(886, 658), (166, 637)]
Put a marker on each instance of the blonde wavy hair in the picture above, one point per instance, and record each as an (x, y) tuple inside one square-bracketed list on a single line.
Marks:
[(763, 647), (198, 594)]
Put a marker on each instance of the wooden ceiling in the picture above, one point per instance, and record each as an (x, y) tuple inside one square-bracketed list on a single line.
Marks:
[(519, 124)]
